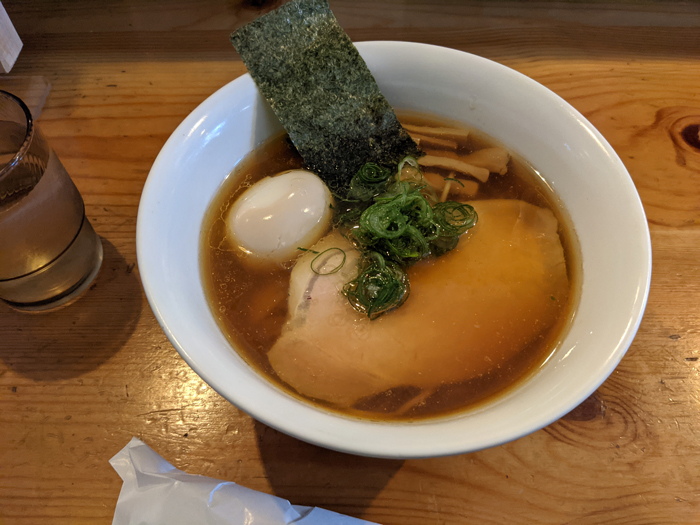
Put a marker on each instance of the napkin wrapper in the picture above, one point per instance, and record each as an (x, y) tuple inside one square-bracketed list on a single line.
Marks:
[(156, 493)]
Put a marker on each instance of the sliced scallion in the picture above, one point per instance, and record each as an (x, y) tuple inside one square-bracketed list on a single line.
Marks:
[(321, 270)]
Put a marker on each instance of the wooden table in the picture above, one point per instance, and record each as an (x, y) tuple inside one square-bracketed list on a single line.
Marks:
[(77, 384)]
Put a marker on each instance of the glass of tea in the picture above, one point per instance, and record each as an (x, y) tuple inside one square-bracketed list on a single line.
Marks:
[(49, 252)]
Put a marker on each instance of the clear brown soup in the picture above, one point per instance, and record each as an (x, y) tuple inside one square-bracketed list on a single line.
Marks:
[(250, 303)]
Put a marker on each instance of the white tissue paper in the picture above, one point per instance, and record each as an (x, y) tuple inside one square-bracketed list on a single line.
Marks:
[(156, 493)]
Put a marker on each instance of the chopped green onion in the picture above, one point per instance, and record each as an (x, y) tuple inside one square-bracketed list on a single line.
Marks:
[(393, 225), (454, 218), (380, 286), (337, 268), (411, 161), (455, 180), (368, 182)]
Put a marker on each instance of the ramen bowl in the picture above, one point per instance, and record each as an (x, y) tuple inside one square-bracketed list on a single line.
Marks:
[(573, 158)]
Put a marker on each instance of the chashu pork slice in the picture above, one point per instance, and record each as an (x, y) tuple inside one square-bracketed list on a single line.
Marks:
[(469, 311)]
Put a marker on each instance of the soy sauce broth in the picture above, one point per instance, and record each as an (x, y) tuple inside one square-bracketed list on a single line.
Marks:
[(250, 301)]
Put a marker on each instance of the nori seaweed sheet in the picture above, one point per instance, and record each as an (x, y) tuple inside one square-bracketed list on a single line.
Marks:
[(320, 88)]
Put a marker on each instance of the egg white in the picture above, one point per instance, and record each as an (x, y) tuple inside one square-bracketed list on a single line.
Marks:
[(279, 214)]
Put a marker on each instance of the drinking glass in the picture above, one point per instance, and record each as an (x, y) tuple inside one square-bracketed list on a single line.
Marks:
[(49, 252)]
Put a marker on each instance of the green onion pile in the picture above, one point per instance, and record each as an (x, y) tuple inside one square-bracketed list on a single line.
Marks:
[(395, 223)]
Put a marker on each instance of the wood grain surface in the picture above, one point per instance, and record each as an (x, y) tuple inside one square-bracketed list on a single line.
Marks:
[(77, 384)]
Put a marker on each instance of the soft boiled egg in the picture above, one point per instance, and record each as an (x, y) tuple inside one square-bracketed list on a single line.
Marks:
[(279, 214)]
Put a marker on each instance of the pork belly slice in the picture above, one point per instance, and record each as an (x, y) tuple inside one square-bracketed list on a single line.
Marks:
[(469, 311)]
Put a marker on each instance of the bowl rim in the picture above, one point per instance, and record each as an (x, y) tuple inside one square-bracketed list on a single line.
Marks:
[(437, 449)]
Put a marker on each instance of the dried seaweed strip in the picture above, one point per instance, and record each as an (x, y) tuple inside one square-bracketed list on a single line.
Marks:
[(322, 91)]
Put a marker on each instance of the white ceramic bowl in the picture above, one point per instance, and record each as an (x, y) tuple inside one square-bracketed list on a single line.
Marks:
[(570, 153)]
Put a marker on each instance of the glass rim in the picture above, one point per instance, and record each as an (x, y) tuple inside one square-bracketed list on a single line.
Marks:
[(22, 150)]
